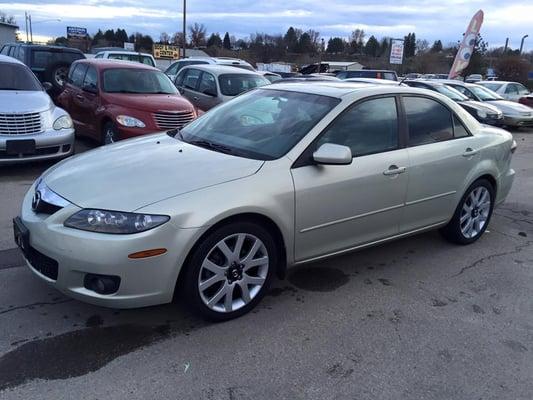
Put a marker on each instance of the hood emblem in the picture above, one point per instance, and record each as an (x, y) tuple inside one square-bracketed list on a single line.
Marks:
[(36, 200)]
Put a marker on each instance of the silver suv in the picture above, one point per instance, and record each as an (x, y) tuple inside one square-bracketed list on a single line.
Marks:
[(31, 126), (175, 67)]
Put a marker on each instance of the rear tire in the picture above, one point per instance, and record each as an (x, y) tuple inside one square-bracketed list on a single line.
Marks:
[(230, 271), (472, 215)]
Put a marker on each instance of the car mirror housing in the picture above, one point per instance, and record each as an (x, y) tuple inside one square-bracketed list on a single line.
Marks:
[(333, 154)]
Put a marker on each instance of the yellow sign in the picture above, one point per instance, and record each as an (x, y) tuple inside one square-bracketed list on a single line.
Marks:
[(166, 51)]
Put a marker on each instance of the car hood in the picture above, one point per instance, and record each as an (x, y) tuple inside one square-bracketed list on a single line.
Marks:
[(478, 105), (150, 102), (14, 101), (134, 173), (509, 106)]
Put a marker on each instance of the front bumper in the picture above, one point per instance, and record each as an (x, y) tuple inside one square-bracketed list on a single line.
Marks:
[(143, 282), (48, 145), (518, 120)]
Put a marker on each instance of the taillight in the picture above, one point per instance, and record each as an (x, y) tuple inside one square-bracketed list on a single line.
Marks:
[(513, 146)]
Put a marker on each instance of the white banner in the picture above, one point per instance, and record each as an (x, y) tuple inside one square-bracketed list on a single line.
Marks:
[(396, 51)]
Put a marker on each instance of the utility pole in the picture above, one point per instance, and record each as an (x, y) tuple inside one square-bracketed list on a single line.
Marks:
[(184, 39), (522, 43), (26, 20), (31, 29), (506, 45)]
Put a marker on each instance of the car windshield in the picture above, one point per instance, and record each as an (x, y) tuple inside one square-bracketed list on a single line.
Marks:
[(135, 80), (492, 86), (450, 92), (132, 57), (263, 124), (235, 84), (484, 94), (17, 77)]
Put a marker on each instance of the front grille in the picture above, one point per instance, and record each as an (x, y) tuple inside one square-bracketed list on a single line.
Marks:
[(173, 120), (44, 264), (20, 124)]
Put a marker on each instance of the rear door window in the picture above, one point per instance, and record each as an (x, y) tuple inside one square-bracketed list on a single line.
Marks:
[(191, 78), (428, 121), (207, 84), (91, 78)]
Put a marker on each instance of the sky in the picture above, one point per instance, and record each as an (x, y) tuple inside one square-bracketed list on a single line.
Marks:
[(444, 19)]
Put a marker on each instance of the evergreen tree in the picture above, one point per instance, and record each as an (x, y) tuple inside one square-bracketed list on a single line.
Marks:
[(372, 47), (226, 42), (335, 45), (214, 40)]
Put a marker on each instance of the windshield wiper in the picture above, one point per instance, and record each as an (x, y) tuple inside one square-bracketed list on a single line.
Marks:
[(211, 146)]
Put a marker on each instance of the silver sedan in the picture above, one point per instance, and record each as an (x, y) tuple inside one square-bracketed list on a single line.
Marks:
[(282, 175)]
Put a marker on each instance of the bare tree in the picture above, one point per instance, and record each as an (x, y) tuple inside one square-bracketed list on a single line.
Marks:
[(422, 45), (198, 35), (177, 39), (164, 38)]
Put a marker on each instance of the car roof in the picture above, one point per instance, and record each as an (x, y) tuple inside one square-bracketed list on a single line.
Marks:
[(46, 47), (125, 52), (11, 60), (372, 80), (341, 89), (501, 82), (106, 63), (219, 69)]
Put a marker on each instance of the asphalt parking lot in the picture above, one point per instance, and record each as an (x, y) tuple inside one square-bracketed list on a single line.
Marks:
[(418, 318)]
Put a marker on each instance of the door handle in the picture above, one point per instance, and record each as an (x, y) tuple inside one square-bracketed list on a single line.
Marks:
[(394, 170), (469, 152), (196, 98), (79, 97)]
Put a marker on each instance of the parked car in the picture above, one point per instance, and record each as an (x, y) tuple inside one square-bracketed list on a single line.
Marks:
[(176, 66), (516, 115), (527, 100), (368, 73), (271, 76), (309, 78), (209, 85), (482, 111), (280, 176), (512, 91), (473, 78), (143, 58), (31, 126), (110, 100), (48, 63)]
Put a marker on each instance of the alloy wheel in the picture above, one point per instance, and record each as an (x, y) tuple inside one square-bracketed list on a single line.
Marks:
[(233, 272), (60, 75), (475, 212)]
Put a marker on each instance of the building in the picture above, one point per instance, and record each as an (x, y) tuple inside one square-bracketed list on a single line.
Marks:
[(8, 33), (343, 65)]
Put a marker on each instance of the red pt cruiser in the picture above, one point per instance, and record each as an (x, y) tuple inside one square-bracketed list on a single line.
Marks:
[(110, 100)]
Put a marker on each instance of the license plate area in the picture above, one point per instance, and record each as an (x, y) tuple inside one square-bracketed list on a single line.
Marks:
[(21, 235), (22, 146)]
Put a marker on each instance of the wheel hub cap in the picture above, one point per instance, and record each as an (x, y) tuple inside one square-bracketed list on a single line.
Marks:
[(475, 212)]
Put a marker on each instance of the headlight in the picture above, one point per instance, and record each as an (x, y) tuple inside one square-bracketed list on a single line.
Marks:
[(481, 114), (104, 221), (130, 122), (63, 122)]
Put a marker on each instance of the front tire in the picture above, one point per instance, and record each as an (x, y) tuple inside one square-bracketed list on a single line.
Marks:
[(230, 271), (472, 215), (109, 133)]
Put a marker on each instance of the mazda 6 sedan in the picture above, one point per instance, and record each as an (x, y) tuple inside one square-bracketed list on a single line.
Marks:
[(280, 176)]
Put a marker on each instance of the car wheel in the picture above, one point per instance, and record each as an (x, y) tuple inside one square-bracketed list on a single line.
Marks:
[(472, 215), (230, 271), (58, 76), (109, 133)]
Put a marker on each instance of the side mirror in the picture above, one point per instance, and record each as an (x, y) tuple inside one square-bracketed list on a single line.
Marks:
[(210, 92), (333, 154), (90, 88), (47, 86)]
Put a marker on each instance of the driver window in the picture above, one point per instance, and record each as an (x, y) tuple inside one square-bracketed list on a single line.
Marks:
[(208, 84), (511, 89), (367, 128)]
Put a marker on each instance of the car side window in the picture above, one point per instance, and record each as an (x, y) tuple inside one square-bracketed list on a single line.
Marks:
[(5, 50), (511, 89), (190, 80), (173, 69), (459, 129), (91, 79), (207, 84), (78, 74), (464, 91), (99, 56), (428, 121), (20, 55), (522, 89), (366, 128)]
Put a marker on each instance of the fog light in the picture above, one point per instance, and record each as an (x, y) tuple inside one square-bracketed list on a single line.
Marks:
[(101, 284)]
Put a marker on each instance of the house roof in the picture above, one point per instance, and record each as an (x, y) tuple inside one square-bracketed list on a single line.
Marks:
[(9, 25)]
